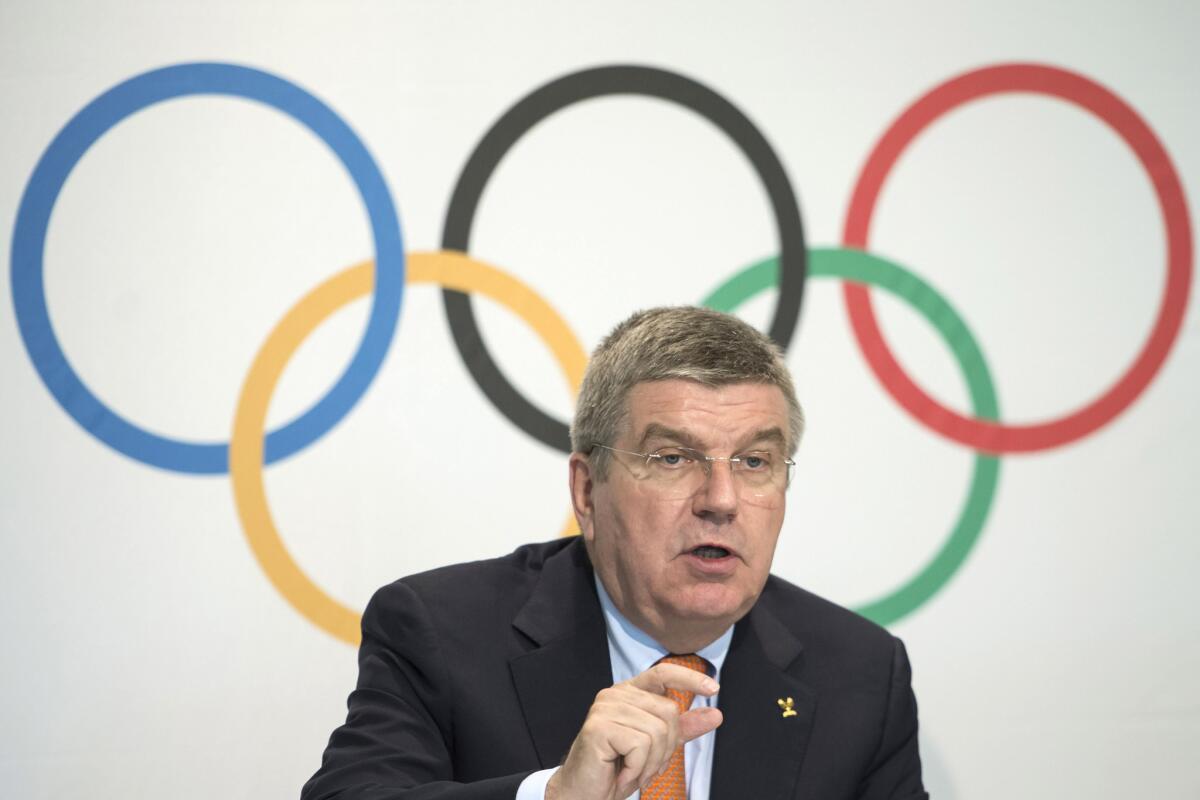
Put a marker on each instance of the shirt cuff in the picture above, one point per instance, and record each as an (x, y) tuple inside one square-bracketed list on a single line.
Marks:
[(534, 786)]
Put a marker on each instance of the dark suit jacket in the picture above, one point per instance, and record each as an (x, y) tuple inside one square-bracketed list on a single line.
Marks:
[(473, 676)]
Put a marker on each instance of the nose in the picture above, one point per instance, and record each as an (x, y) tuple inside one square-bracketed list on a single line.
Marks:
[(718, 497)]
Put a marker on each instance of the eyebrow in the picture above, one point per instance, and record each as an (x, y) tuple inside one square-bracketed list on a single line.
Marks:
[(656, 431), (774, 434)]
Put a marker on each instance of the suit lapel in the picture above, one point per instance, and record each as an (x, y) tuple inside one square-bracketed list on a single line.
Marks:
[(759, 750), (557, 681)]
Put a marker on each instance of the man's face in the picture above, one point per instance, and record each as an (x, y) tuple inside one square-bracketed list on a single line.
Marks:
[(644, 541)]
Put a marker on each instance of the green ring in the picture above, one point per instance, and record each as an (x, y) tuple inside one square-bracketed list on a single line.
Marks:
[(865, 268)]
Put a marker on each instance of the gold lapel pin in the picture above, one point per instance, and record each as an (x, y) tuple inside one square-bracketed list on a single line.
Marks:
[(786, 705)]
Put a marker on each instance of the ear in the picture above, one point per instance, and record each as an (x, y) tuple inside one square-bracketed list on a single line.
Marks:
[(581, 494)]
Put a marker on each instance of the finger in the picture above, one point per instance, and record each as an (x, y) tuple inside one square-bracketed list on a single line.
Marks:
[(662, 733), (659, 705), (633, 746), (661, 677), (697, 722)]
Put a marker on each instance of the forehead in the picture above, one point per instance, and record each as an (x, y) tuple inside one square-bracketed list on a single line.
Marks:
[(710, 415)]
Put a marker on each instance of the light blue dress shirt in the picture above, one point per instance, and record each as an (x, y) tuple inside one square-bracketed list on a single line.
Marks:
[(632, 652)]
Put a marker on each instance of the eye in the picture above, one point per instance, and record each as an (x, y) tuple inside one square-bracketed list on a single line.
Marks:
[(756, 462), (673, 458)]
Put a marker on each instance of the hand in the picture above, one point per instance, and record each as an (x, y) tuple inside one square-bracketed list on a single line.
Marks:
[(630, 733)]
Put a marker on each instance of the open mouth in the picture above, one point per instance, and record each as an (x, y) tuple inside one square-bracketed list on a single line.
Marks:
[(708, 551)]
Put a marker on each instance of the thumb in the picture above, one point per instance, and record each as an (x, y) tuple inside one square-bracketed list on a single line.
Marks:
[(697, 722)]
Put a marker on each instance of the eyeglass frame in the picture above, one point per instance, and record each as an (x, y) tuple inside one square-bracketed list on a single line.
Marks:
[(705, 460)]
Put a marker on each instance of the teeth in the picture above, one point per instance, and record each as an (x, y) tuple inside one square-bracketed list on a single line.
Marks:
[(706, 551)]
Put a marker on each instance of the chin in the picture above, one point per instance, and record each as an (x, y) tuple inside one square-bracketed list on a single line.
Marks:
[(715, 601)]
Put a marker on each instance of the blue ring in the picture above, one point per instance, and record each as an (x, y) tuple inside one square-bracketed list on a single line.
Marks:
[(29, 237)]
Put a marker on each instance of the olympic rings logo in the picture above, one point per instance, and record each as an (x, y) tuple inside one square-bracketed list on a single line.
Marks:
[(251, 447)]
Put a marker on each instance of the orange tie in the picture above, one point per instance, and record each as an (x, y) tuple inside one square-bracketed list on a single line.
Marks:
[(672, 784)]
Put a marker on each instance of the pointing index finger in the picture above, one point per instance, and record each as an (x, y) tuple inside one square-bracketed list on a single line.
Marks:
[(661, 677)]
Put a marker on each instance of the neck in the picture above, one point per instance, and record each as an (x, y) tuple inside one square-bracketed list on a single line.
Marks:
[(675, 636), (680, 642)]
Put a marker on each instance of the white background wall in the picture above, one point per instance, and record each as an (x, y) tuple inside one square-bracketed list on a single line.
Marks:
[(146, 654)]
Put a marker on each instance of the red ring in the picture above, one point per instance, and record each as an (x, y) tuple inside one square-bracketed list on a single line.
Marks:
[(994, 437)]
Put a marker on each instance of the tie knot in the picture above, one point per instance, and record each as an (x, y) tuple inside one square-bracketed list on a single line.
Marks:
[(689, 660)]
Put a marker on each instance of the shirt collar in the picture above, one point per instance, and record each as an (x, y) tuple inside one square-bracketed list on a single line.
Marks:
[(634, 651)]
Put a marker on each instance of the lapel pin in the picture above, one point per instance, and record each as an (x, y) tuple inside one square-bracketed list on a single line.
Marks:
[(786, 705)]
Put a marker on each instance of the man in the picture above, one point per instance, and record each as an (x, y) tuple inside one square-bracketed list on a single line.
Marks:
[(654, 653)]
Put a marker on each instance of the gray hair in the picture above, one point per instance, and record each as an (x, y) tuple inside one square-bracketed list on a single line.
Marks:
[(683, 342)]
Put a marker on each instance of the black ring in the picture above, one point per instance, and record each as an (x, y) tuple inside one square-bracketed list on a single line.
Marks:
[(541, 103)]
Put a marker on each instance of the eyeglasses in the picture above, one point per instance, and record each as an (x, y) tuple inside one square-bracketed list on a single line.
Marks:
[(681, 471)]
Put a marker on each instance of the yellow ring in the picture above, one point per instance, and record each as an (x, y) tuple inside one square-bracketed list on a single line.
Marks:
[(449, 269)]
